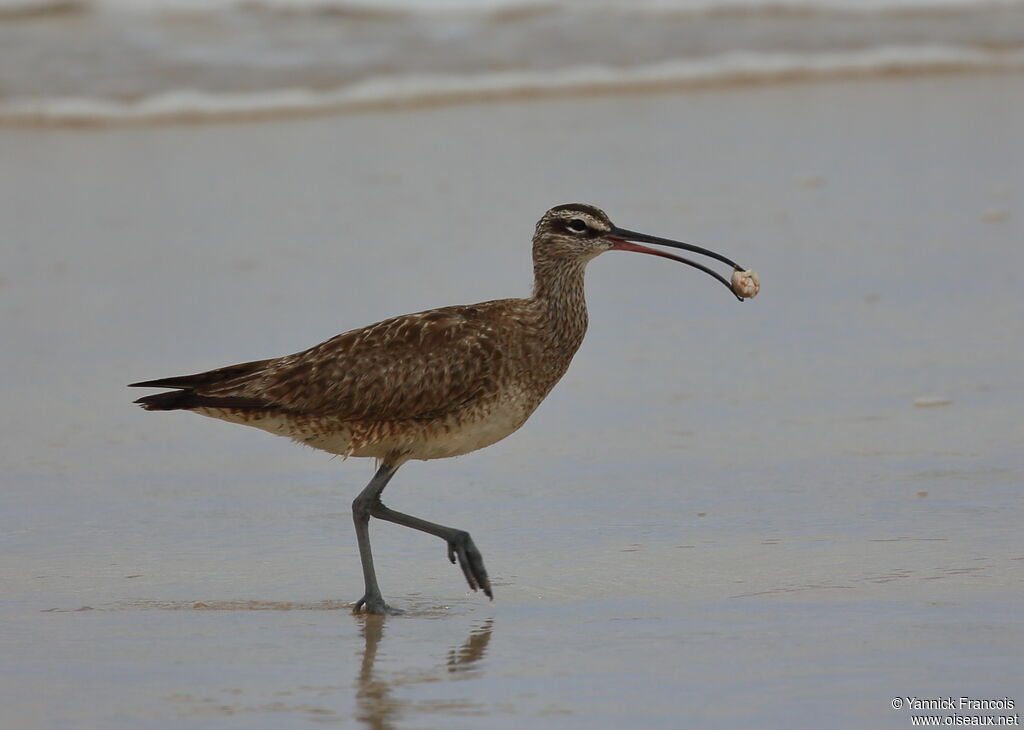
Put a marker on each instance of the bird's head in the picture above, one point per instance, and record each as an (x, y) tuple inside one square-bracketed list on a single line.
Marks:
[(577, 232)]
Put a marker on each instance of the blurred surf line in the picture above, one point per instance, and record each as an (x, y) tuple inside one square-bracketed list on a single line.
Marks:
[(432, 89)]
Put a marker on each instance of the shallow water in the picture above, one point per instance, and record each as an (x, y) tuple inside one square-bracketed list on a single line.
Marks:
[(781, 513)]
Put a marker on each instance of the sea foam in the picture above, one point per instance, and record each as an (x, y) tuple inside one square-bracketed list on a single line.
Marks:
[(192, 105), (96, 62)]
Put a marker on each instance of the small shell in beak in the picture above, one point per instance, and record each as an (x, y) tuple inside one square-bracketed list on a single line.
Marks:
[(745, 284)]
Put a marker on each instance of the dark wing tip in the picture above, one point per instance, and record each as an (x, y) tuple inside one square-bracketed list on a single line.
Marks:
[(208, 378), (185, 381)]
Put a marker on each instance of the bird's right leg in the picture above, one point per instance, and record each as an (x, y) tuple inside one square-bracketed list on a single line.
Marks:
[(362, 506), (460, 545)]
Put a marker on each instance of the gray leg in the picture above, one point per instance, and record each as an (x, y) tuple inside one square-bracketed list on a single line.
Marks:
[(362, 506), (460, 544)]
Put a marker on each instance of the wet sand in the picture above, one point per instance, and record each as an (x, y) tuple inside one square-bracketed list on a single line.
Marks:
[(781, 513)]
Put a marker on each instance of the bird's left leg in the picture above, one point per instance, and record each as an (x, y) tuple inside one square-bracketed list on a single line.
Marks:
[(460, 544), (362, 508)]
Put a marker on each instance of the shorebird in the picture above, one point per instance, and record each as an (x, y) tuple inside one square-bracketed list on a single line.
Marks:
[(429, 385)]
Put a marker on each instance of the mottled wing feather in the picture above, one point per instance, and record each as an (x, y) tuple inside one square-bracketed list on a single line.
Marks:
[(417, 366)]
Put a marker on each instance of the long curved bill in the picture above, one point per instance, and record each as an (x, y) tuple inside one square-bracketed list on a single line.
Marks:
[(625, 240)]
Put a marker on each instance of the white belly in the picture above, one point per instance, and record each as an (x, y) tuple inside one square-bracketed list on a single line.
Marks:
[(473, 434), (454, 435)]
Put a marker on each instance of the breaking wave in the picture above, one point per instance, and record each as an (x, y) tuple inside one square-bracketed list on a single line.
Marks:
[(67, 62)]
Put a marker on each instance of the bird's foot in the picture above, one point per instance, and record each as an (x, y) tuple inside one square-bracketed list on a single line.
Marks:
[(374, 604), (461, 547)]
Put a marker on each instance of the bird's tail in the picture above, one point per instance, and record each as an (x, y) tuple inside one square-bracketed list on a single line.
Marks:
[(194, 391), (178, 400)]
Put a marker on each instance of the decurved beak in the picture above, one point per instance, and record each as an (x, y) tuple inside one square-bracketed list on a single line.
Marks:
[(624, 240)]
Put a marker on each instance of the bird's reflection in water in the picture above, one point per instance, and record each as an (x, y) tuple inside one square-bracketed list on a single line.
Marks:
[(472, 650), (376, 707)]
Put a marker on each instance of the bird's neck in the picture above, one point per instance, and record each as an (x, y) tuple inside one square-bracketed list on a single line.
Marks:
[(560, 302)]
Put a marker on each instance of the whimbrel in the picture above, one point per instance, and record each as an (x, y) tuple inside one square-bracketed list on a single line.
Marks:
[(429, 385)]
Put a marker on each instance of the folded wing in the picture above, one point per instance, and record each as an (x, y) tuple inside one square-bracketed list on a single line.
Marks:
[(417, 366)]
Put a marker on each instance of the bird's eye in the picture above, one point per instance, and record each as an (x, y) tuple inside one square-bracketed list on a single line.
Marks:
[(577, 224)]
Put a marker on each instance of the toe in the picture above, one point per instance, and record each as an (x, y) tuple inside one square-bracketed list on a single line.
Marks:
[(374, 605), (472, 564)]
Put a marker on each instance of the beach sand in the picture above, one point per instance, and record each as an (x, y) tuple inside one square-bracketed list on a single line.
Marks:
[(781, 513)]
